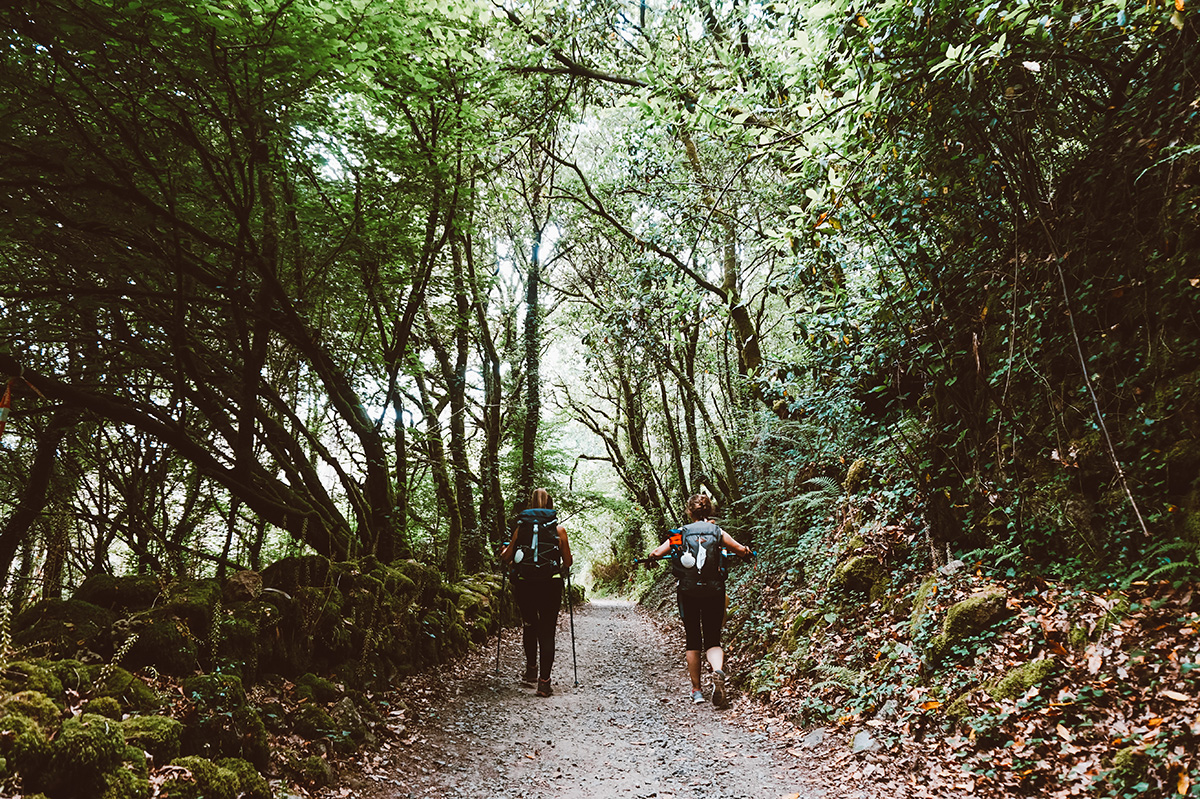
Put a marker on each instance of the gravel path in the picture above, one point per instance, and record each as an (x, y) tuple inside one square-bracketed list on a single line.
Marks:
[(627, 730)]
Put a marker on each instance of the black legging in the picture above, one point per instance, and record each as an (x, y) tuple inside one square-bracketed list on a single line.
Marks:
[(539, 602), (702, 619)]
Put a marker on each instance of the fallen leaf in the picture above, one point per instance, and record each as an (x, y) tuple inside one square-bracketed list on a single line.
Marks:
[(1178, 697)]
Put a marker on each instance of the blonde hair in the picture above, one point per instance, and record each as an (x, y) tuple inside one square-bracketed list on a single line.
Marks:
[(540, 498)]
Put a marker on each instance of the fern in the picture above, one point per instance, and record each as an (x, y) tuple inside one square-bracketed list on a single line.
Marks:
[(839, 675), (1186, 565)]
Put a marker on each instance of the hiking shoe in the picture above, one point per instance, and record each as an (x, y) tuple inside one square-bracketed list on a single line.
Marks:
[(697, 697), (530, 676), (544, 688), (719, 698)]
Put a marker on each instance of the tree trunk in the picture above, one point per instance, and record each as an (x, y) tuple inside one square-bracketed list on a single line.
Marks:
[(395, 545), (681, 479), (491, 494), (57, 524), (443, 487), (33, 499), (533, 343)]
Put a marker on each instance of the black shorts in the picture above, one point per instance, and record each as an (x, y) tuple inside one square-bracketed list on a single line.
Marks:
[(702, 617)]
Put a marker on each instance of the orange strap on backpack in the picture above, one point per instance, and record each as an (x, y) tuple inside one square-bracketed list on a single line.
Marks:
[(6, 403)]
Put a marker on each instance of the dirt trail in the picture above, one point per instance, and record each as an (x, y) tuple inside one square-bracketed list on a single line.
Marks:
[(627, 730)]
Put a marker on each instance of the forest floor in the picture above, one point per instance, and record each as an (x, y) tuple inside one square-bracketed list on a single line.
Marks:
[(628, 729)]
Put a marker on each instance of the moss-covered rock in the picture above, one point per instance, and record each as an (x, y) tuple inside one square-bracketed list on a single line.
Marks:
[(221, 723), (134, 695), (33, 705), (106, 706), (274, 715), (96, 680), (72, 675), (859, 471), (235, 647), (312, 687), (1129, 765), (166, 641), (125, 782), (921, 603), (293, 572), (121, 594), (969, 617), (352, 730), (194, 601), (251, 784), (60, 628), (157, 736), (797, 630), (958, 710), (313, 721), (26, 675), (315, 772), (1020, 679), (242, 586), (240, 633), (203, 779), (860, 574), (83, 755), (23, 745), (424, 579), (222, 691)]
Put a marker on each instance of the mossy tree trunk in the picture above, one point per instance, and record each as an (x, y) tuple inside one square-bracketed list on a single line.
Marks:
[(491, 495)]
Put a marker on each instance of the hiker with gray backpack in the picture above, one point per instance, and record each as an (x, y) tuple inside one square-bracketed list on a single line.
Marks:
[(697, 560), (540, 555)]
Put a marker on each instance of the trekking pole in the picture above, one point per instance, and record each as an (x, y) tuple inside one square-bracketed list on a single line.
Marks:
[(571, 614), (500, 614)]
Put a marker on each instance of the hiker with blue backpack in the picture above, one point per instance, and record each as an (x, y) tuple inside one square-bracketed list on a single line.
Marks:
[(540, 555), (697, 554)]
